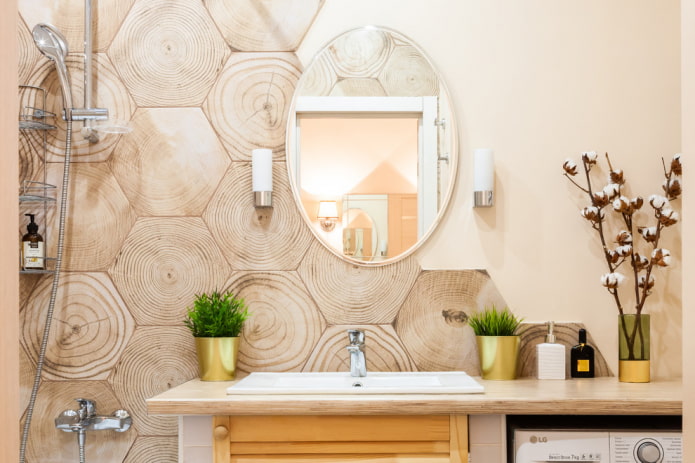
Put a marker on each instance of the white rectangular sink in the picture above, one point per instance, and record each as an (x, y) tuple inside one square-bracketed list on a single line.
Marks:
[(443, 382)]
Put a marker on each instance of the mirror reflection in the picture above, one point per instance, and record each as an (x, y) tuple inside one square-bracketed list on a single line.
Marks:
[(371, 148)]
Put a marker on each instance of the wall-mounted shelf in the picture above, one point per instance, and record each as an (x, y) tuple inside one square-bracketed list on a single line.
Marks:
[(32, 191), (35, 190)]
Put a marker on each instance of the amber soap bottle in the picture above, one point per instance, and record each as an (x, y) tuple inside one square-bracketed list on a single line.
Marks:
[(33, 251), (582, 358)]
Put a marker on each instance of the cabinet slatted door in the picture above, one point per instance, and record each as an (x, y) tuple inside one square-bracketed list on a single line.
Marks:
[(338, 439)]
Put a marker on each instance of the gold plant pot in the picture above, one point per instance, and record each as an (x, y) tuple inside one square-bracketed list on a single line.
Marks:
[(499, 356), (217, 358)]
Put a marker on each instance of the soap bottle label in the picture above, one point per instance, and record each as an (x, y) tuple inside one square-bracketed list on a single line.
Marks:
[(33, 254)]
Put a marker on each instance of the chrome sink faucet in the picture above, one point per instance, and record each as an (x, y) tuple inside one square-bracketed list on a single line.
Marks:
[(358, 360)]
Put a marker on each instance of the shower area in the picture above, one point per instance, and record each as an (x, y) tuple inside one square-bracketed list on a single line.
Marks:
[(37, 195), (147, 140)]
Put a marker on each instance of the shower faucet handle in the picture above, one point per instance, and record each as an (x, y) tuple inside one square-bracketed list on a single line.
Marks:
[(87, 408)]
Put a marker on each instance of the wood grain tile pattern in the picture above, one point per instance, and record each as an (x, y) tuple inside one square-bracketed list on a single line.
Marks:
[(100, 216), (154, 361), (171, 163), (28, 53), (246, 24), (162, 265), (408, 73), (285, 324), (432, 324), (257, 238), (91, 327), (152, 449), (249, 103), (175, 63), (347, 293)]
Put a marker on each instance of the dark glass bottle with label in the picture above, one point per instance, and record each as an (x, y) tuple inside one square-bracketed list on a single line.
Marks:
[(33, 250), (582, 358)]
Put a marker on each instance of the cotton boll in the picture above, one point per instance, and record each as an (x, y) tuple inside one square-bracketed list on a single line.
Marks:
[(661, 257), (658, 201), (589, 157), (570, 167), (611, 190), (624, 251), (612, 280), (624, 237), (622, 205)]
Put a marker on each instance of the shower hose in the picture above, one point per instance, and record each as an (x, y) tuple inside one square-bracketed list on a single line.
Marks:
[(52, 300)]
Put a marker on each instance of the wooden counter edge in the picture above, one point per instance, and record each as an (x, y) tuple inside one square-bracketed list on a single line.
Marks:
[(606, 397)]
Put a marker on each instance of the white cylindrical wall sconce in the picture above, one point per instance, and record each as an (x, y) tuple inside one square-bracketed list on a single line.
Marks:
[(483, 178), (262, 177)]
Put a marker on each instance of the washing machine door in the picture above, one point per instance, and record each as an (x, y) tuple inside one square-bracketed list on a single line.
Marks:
[(542, 445)]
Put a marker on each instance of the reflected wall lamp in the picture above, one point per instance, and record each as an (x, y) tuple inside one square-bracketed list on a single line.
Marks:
[(327, 215), (262, 177), (483, 178)]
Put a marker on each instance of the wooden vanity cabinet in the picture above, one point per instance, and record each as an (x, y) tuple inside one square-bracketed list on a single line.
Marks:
[(336, 439)]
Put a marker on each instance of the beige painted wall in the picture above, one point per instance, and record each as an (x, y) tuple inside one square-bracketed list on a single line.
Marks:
[(538, 82), (9, 354), (688, 137)]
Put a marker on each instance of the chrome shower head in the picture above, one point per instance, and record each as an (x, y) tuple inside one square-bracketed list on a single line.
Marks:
[(53, 45)]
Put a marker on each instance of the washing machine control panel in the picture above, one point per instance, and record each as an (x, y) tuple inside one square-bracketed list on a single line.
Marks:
[(646, 447)]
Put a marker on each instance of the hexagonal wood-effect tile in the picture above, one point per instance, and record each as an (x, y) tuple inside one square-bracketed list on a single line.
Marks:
[(164, 262), (385, 352), (347, 293), (154, 361), (257, 238), (90, 327), (249, 103), (171, 163), (46, 443), (99, 217), (432, 324), (245, 23), (284, 325), (175, 63)]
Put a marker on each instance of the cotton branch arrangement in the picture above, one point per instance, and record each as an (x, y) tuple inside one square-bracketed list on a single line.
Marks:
[(619, 248)]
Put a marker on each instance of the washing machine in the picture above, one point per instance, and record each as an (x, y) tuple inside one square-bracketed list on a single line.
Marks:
[(596, 440)]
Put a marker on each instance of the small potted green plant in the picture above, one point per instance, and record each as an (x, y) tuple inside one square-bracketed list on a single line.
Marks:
[(216, 320), (497, 338)]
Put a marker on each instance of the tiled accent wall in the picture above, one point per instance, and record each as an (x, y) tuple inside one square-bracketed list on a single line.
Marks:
[(166, 212)]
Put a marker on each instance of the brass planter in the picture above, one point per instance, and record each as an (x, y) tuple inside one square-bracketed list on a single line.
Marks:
[(217, 358), (499, 356)]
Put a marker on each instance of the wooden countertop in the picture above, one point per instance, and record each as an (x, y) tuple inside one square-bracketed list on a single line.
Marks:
[(597, 396)]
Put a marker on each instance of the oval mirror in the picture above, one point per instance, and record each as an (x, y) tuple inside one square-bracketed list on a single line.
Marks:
[(371, 146)]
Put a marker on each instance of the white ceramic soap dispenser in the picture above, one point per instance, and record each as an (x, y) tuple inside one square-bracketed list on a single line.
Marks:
[(551, 357)]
